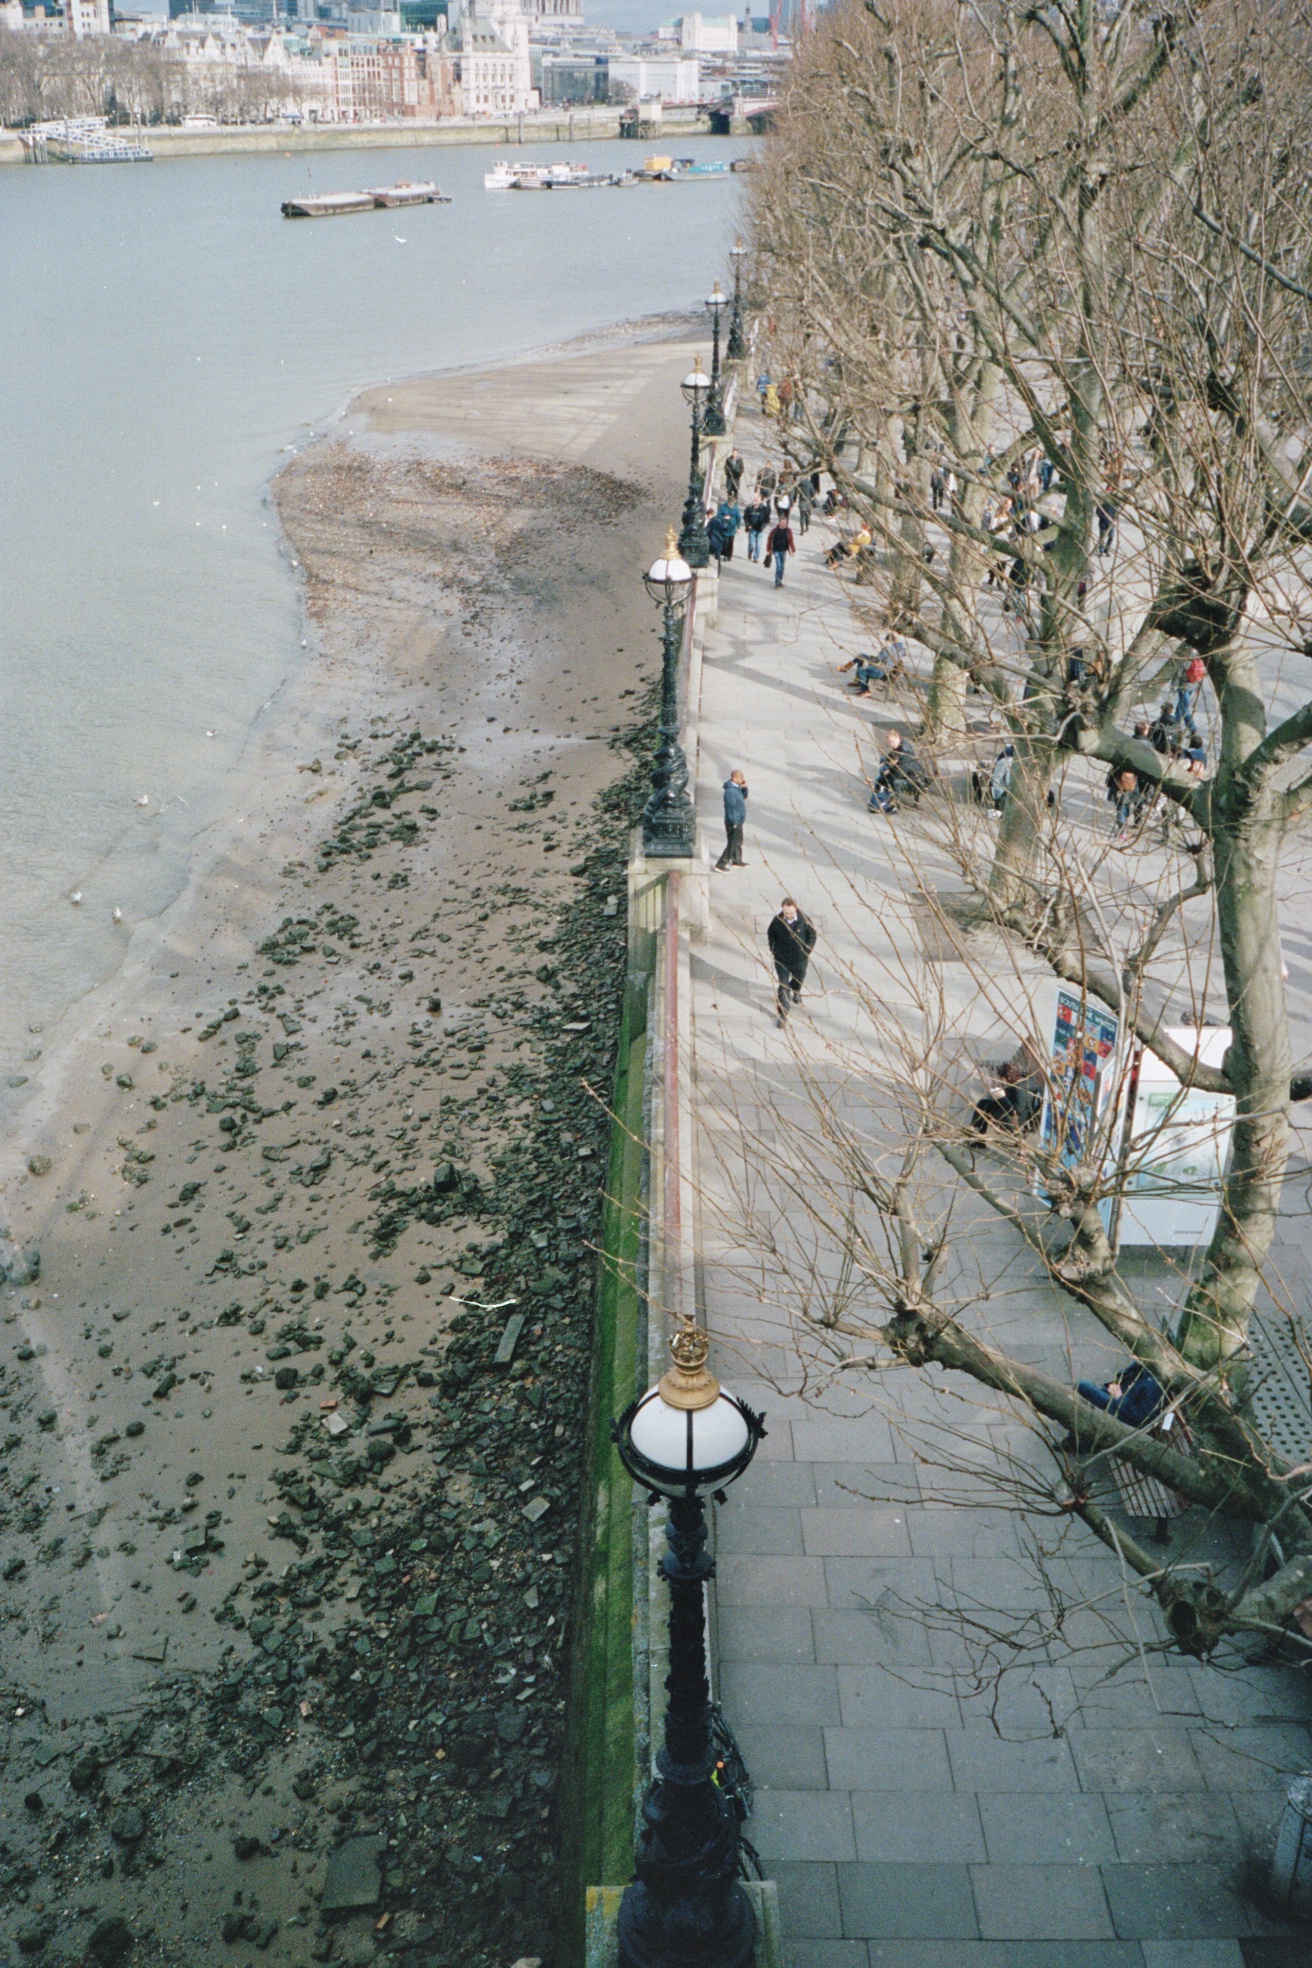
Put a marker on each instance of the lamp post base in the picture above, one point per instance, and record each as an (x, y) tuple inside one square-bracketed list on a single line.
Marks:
[(687, 1933), (687, 1908)]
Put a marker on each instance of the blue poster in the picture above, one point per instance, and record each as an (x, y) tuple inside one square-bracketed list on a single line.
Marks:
[(1083, 1046)]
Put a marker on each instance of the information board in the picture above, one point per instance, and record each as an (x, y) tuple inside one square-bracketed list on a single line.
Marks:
[(1084, 1035), (1175, 1148)]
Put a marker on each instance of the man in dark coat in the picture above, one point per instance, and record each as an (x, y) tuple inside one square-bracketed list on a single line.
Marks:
[(778, 547), (901, 776), (733, 475), (756, 518), (735, 816), (791, 938)]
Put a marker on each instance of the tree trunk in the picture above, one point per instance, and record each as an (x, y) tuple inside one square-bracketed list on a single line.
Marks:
[(970, 431), (945, 705), (1011, 882), (1214, 1323)]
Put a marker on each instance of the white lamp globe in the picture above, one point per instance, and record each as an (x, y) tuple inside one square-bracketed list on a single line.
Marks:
[(692, 1445), (687, 1435), (669, 577)]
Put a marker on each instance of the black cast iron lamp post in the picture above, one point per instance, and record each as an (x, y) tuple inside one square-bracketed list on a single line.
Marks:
[(669, 826), (736, 347), (686, 1439), (713, 421), (693, 544)]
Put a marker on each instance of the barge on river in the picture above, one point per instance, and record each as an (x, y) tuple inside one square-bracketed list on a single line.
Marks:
[(335, 204)]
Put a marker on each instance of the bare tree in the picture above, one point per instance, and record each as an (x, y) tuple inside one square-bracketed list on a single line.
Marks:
[(900, 1236), (1062, 252), (45, 76)]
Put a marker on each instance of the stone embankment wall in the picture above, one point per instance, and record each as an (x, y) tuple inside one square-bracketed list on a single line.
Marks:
[(544, 126), (648, 1281)]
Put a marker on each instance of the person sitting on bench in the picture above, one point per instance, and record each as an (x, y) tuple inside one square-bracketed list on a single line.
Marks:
[(869, 669), (901, 776), (999, 1107), (1135, 1396)]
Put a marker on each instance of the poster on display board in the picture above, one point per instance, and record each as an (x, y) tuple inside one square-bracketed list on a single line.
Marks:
[(1079, 1076), (1175, 1148)]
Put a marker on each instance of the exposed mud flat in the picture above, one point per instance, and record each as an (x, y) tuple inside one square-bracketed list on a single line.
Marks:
[(291, 1460)]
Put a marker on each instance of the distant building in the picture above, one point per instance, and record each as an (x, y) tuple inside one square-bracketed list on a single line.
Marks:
[(562, 78), (373, 20), (667, 78), (389, 80), (708, 34), (76, 17), (496, 77)]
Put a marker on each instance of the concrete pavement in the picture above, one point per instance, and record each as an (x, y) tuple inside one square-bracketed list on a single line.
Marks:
[(916, 1810)]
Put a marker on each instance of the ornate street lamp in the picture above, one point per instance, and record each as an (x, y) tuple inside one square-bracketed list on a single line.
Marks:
[(687, 1439), (713, 421), (736, 347), (693, 544), (669, 825)]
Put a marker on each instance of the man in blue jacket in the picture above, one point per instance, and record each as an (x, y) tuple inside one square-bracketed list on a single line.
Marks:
[(735, 815)]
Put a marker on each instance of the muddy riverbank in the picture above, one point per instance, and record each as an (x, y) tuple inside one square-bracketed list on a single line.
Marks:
[(291, 1462)]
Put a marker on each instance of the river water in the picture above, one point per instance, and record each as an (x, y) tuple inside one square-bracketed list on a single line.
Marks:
[(166, 337)]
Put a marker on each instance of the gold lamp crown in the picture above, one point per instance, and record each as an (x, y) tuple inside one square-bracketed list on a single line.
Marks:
[(690, 1384)]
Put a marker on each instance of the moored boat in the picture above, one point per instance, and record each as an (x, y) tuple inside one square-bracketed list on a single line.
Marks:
[(664, 170), (334, 204), (406, 193), (328, 205), (505, 176)]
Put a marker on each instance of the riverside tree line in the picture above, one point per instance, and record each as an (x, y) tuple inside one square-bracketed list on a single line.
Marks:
[(1079, 237), (46, 76)]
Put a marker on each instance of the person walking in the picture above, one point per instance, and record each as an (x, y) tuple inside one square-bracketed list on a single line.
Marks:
[(763, 383), (1129, 803), (805, 501), (1189, 683), (735, 818), (729, 519), (733, 475), (756, 518), (778, 547), (791, 939)]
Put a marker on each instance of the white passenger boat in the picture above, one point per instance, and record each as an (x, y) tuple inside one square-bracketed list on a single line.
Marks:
[(505, 176)]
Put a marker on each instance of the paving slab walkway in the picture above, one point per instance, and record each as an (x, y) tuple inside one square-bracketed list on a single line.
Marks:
[(914, 1817)]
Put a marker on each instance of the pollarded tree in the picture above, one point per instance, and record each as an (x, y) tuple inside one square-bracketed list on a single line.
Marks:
[(1083, 235), (1072, 245)]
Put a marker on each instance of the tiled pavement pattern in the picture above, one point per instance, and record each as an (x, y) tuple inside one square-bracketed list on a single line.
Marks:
[(1093, 1827)]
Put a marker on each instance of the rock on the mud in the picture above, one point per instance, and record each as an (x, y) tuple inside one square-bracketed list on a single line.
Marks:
[(110, 1941), (355, 1876), (18, 1267)]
